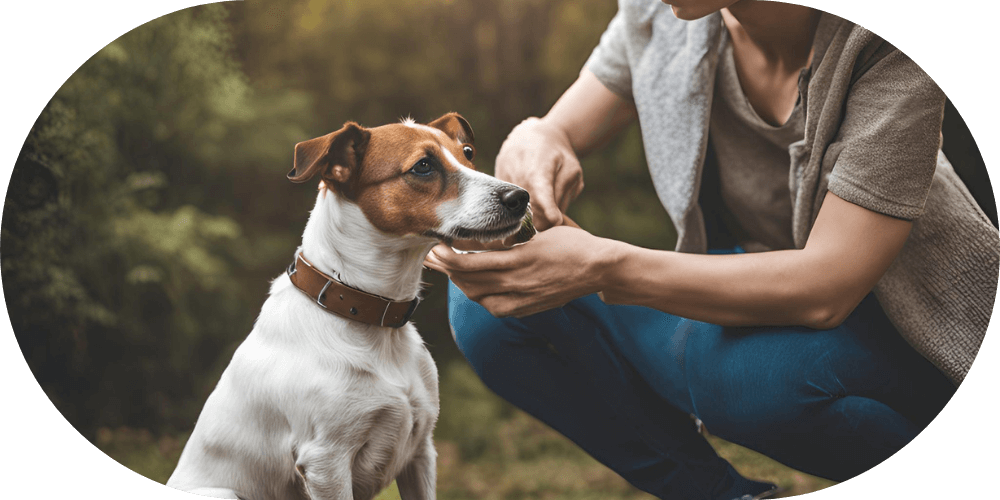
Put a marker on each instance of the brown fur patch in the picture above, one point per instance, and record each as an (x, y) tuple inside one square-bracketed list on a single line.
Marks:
[(395, 200), (456, 127), (371, 167), (336, 157)]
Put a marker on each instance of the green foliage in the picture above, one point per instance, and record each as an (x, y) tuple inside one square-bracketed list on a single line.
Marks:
[(140, 451), (120, 240), (469, 412), (149, 210)]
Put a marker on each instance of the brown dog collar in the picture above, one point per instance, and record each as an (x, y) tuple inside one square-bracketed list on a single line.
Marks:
[(343, 300)]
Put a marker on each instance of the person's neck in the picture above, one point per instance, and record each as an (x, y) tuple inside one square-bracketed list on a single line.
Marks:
[(783, 33)]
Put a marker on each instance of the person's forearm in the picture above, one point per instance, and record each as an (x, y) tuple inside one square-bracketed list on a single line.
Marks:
[(589, 114), (848, 251), (771, 288)]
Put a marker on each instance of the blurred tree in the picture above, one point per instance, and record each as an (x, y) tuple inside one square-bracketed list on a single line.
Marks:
[(496, 62), (149, 209), (120, 237)]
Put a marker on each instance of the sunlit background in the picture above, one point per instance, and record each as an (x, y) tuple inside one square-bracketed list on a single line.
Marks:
[(149, 210)]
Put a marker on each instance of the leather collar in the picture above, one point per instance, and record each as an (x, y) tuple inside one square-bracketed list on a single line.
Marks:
[(351, 303)]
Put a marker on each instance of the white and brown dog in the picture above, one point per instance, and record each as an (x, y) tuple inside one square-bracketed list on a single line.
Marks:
[(333, 395)]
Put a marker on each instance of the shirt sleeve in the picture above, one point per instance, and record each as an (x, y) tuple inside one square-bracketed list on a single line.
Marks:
[(609, 60), (889, 138)]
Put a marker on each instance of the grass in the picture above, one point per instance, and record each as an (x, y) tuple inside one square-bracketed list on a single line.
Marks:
[(487, 450)]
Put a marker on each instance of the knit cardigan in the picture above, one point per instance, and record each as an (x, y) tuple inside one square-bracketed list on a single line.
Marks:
[(939, 291)]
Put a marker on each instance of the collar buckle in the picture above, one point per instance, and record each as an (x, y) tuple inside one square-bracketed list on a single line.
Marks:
[(406, 317)]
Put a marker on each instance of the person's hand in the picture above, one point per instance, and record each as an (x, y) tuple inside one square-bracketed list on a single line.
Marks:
[(538, 157), (555, 267)]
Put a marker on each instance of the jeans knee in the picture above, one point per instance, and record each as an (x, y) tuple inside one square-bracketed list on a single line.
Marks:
[(481, 337), (464, 320)]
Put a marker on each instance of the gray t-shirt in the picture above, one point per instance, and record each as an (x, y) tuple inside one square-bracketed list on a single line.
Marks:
[(752, 163), (666, 65)]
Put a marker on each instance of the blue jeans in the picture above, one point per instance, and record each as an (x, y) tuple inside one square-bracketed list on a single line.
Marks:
[(621, 382)]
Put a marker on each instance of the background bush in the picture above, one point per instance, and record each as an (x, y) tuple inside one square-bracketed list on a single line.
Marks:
[(148, 209)]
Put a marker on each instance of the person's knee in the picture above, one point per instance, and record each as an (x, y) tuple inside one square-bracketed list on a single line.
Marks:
[(849, 436), (481, 337), (466, 319)]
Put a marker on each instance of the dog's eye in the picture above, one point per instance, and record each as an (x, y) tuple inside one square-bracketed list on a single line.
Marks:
[(469, 151), (423, 167)]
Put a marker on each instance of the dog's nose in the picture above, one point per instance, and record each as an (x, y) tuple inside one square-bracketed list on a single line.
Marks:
[(515, 200)]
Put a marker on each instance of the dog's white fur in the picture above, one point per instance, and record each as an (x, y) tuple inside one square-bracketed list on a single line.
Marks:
[(316, 406), (467, 211)]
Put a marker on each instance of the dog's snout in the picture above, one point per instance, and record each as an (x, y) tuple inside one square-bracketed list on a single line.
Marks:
[(515, 200)]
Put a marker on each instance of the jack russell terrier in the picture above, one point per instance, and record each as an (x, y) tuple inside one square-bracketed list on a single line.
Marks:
[(333, 395)]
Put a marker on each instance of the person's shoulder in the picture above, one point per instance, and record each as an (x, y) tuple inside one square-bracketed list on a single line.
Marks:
[(839, 38)]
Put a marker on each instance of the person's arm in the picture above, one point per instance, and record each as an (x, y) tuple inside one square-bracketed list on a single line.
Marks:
[(589, 114), (847, 252), (541, 154), (886, 154)]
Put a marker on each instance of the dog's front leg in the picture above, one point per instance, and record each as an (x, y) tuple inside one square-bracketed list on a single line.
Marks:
[(325, 480), (418, 481)]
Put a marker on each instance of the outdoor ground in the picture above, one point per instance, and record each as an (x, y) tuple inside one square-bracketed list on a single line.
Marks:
[(487, 450)]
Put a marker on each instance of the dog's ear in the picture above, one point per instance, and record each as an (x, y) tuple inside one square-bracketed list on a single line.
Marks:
[(335, 156), (456, 127)]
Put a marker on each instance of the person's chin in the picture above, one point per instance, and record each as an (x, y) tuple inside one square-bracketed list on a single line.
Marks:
[(686, 13)]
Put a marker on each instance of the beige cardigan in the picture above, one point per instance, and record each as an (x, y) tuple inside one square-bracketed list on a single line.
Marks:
[(939, 291)]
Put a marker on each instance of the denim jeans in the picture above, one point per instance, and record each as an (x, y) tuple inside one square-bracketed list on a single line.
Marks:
[(623, 381)]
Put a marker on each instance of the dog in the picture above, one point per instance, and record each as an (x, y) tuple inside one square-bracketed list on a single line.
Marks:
[(333, 394)]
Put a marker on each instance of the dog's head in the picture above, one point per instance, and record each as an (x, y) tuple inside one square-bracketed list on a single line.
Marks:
[(410, 178)]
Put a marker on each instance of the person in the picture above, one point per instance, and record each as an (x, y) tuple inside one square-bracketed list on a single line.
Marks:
[(832, 278)]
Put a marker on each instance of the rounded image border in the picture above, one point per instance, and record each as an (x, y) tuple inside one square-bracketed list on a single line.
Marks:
[(45, 42)]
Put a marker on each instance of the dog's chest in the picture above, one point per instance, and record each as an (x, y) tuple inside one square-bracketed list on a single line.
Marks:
[(409, 391), (417, 409), (402, 409)]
